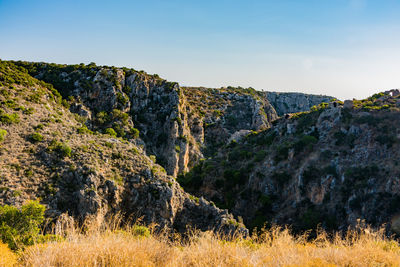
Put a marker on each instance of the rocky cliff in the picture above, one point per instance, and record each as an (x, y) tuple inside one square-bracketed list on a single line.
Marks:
[(90, 140), (49, 153), (295, 102), (177, 125), (330, 166)]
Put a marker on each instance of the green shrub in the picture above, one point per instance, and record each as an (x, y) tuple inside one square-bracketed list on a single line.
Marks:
[(305, 142), (121, 116), (102, 117), (61, 149), (65, 103), (266, 138), (39, 127), (20, 227), (153, 158), (3, 134), (138, 230), (306, 120), (8, 118), (36, 137), (126, 89), (331, 169), (111, 131), (10, 103), (119, 130), (122, 99), (310, 219), (84, 130), (134, 132), (345, 139), (282, 152)]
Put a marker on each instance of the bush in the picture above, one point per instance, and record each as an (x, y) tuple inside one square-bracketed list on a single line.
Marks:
[(344, 139), (134, 132), (111, 131), (310, 219), (306, 142), (122, 99), (3, 134), (138, 230), (65, 103), (8, 118), (36, 137), (126, 89), (282, 152), (61, 148), (20, 227), (153, 158), (39, 127), (84, 130), (102, 117), (119, 130)]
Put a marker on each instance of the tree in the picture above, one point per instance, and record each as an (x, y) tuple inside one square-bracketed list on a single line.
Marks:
[(20, 227)]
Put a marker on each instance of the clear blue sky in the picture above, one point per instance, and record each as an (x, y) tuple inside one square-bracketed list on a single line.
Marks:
[(345, 48)]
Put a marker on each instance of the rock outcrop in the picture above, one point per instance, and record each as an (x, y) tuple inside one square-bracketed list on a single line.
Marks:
[(118, 138), (295, 102), (331, 166), (178, 125), (48, 153)]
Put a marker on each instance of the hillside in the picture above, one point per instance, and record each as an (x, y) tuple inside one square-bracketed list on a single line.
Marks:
[(178, 125), (91, 140), (48, 153), (332, 166)]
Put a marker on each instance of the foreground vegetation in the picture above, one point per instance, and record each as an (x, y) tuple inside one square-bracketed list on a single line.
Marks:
[(275, 247), (106, 244)]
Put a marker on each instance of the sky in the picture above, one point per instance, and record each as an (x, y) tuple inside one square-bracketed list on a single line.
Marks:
[(343, 48)]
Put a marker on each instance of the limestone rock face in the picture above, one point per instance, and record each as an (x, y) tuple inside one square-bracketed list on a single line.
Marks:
[(119, 138), (177, 125), (84, 173), (331, 166), (294, 102)]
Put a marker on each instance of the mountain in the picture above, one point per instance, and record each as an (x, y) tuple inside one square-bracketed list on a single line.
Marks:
[(91, 140), (331, 166), (49, 153)]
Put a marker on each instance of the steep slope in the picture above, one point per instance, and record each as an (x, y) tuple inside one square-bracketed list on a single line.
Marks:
[(330, 166), (295, 102), (219, 115), (97, 151), (48, 153), (177, 125)]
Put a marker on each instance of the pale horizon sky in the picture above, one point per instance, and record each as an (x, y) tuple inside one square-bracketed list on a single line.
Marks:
[(343, 48)]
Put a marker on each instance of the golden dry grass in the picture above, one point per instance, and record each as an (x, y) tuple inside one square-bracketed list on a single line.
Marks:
[(7, 257), (274, 247)]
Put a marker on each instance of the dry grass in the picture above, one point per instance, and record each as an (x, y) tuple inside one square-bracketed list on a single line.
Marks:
[(275, 247), (7, 257)]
